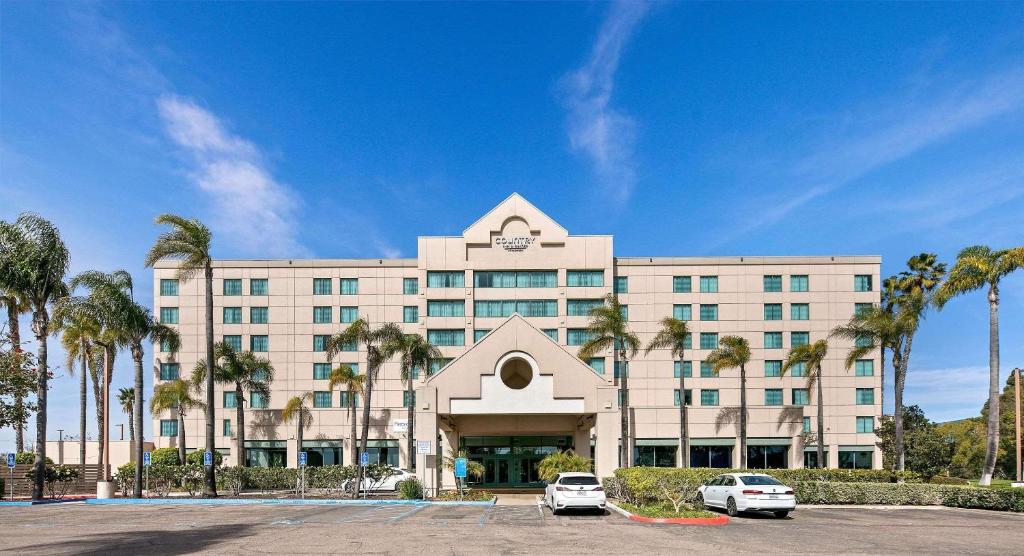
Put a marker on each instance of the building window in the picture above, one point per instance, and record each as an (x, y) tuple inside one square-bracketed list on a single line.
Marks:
[(552, 333), (621, 284), (709, 340), (855, 459), (773, 396), (798, 369), (799, 311), (773, 340), (619, 365), (258, 400), (168, 427), (410, 313), (687, 369), (234, 342), (233, 286), (446, 279), (860, 309), (807, 424), (863, 341), (706, 370), (322, 315), (169, 371), (410, 286), (709, 312), (773, 283), (801, 396), (865, 396), (862, 283), (349, 399), (773, 368), (438, 364), (226, 428), (258, 286), (675, 397), (682, 312), (865, 424), (709, 397), (582, 307), (515, 279), (230, 400), (798, 283), (405, 398), (681, 284), (258, 315), (596, 363), (320, 342), (165, 346), (479, 333), (864, 367), (321, 286), (526, 308), (624, 311), (577, 336), (709, 284), (452, 337), (321, 399), (349, 314), (797, 339), (584, 278), (321, 371), (169, 315), (772, 311), (258, 343), (232, 315), (168, 287), (454, 308), (349, 286)]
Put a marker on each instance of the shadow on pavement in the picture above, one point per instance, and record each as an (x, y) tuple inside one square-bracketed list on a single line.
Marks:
[(182, 541)]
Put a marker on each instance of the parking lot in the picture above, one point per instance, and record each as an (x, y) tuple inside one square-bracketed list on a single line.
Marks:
[(79, 528)]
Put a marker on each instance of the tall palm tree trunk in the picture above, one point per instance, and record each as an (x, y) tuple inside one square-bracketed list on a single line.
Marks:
[(108, 371), (367, 392), (98, 399), (19, 403), (181, 435), (41, 328), (743, 416), (821, 423), (137, 418), (240, 421), (82, 404), (211, 479), (684, 437), (993, 386), (298, 437), (624, 455), (131, 427), (352, 422), (900, 383), (409, 436)]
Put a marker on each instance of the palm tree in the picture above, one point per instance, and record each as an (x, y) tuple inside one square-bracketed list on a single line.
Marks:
[(379, 343), (244, 370), (734, 351), (296, 410), (188, 241), (103, 371), (126, 397), (608, 328), (77, 333), (16, 304), (976, 267), (414, 352), (812, 356), (673, 335), (33, 263), (345, 376), (175, 395)]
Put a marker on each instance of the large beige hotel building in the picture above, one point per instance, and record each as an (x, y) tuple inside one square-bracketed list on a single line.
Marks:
[(507, 303)]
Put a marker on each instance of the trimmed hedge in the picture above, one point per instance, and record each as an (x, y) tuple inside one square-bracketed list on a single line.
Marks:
[(910, 494)]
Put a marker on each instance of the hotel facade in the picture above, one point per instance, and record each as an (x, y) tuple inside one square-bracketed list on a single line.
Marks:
[(507, 303)]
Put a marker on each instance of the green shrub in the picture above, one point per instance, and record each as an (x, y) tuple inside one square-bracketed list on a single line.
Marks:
[(468, 495), (664, 509), (562, 462), (196, 457), (410, 489), (910, 494), (329, 477), (231, 479), (58, 479), (24, 458), (166, 456), (270, 478), (944, 480)]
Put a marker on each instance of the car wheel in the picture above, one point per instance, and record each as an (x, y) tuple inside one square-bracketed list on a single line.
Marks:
[(781, 515), (700, 500), (730, 507)]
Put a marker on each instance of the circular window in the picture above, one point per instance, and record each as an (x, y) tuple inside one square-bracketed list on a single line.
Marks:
[(516, 373)]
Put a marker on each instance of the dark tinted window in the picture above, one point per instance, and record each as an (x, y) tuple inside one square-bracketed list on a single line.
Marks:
[(728, 481), (576, 481), (758, 480)]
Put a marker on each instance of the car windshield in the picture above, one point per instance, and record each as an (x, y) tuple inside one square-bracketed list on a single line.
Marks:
[(576, 481), (759, 480)]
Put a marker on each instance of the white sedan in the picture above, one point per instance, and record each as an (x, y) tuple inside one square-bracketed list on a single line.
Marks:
[(386, 484), (574, 490), (740, 492)]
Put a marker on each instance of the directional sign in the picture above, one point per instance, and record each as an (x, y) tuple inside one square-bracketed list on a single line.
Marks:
[(424, 447), (303, 458), (147, 459), (10, 460), (460, 467), (208, 459), (364, 459)]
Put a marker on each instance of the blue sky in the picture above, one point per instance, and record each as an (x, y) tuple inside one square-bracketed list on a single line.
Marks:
[(682, 129)]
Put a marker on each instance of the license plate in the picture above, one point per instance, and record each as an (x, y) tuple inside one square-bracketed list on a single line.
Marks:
[(773, 496), (581, 493)]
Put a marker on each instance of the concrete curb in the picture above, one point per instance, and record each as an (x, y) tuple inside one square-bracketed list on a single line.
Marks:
[(277, 502), (40, 502), (712, 521)]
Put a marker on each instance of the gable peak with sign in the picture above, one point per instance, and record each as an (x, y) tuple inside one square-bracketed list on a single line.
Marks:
[(514, 225)]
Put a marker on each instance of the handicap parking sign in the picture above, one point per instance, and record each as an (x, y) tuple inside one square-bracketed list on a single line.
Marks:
[(303, 458), (208, 459), (10, 460), (460, 467), (147, 459), (364, 459)]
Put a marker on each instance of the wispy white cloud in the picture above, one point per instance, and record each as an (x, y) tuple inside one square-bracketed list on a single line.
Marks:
[(606, 135), (256, 212), (949, 394)]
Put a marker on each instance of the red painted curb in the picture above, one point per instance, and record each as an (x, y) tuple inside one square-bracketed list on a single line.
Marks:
[(719, 520)]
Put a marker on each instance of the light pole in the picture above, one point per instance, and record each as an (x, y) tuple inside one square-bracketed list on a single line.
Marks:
[(122, 430)]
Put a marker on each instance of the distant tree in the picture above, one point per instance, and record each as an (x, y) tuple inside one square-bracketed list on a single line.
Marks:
[(732, 352), (175, 396), (926, 450), (16, 304), (126, 398), (344, 376), (673, 335), (295, 409), (17, 382), (812, 356)]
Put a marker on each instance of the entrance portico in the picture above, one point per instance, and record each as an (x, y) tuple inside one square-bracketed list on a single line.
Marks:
[(508, 401)]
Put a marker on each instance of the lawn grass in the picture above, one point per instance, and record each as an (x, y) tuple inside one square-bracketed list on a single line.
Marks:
[(664, 509), (996, 483)]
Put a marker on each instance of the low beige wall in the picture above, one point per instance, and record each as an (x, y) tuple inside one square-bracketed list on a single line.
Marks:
[(67, 452)]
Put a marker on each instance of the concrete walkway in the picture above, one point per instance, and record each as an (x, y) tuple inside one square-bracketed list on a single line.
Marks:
[(517, 499)]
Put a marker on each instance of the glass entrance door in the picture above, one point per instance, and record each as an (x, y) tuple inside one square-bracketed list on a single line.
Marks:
[(511, 461)]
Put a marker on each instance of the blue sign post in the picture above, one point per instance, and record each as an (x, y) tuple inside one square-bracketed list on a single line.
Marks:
[(10, 460), (147, 458), (303, 458), (208, 459), (460, 467), (10, 466), (364, 459)]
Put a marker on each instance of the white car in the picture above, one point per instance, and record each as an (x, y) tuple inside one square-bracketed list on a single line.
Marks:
[(740, 492), (387, 484), (574, 490)]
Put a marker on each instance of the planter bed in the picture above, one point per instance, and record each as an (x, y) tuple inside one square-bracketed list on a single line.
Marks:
[(666, 515)]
